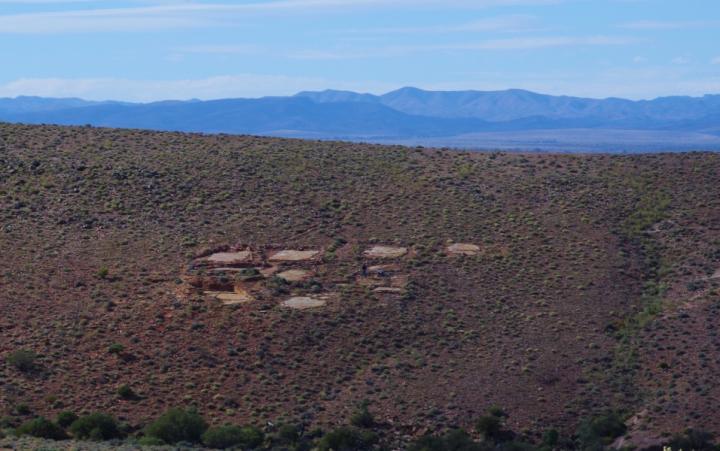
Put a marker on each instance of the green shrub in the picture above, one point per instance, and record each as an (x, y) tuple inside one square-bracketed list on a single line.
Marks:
[(233, 436), (96, 426), (693, 440), (550, 438), (362, 417), (347, 439), (42, 428), (178, 425), (150, 441), (116, 348), (22, 409), (65, 419), (489, 426), (103, 272), (23, 360), (599, 431), (516, 446), (287, 434), (497, 412), (125, 392), (455, 440)]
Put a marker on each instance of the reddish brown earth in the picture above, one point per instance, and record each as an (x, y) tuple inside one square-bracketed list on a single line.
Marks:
[(544, 321)]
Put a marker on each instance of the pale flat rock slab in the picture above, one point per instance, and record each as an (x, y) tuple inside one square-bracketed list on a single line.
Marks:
[(231, 298), (304, 303), (295, 275), (385, 252), (293, 256), (389, 290), (463, 249), (230, 257), (716, 275)]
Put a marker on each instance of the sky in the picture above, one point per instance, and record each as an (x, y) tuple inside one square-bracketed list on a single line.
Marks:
[(147, 50)]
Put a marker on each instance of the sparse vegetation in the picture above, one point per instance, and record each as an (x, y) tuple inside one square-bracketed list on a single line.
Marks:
[(592, 290)]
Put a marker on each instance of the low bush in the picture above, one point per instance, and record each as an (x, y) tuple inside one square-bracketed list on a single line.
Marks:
[(489, 426), (96, 427), (178, 425), (116, 348), (150, 441), (694, 440), (23, 360), (41, 428), (347, 439), (362, 417), (287, 434), (455, 440), (598, 432), (65, 419), (125, 392), (224, 437)]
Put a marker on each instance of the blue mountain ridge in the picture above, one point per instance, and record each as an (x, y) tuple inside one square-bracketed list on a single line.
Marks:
[(408, 115)]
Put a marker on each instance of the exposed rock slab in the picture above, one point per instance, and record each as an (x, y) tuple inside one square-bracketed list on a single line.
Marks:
[(295, 275), (385, 252), (293, 255), (231, 298), (463, 249), (304, 303), (389, 290), (229, 258)]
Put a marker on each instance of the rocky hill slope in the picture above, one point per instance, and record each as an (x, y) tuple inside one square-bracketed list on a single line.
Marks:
[(591, 282)]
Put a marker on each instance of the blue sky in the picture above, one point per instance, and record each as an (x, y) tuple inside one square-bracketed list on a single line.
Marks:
[(143, 50)]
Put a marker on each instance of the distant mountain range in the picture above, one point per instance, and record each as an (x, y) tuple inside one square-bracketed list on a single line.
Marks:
[(512, 119)]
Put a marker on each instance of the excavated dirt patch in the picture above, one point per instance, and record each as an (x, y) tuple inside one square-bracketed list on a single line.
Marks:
[(463, 249), (295, 275), (230, 257), (293, 256), (303, 303), (385, 252)]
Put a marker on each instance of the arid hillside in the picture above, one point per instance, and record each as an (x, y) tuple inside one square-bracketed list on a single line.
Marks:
[(553, 286)]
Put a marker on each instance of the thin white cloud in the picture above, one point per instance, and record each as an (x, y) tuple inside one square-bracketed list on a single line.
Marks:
[(680, 60), (669, 25), (525, 43), (243, 49), (715, 60), (194, 14), (508, 24)]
